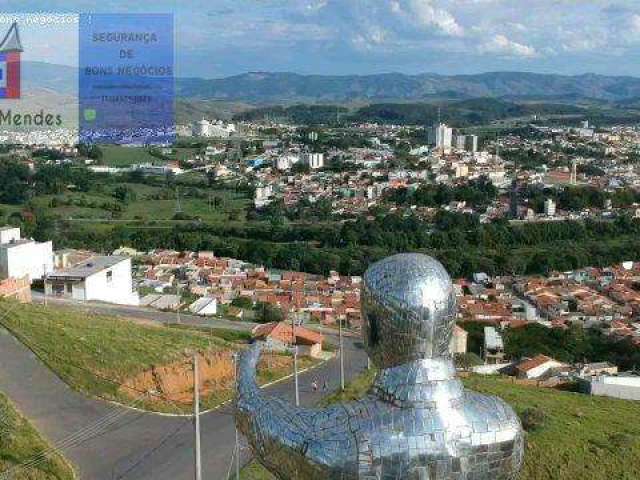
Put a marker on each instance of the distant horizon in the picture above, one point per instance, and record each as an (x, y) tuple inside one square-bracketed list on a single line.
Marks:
[(373, 73)]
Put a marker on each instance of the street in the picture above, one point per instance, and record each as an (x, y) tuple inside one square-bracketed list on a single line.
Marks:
[(106, 441)]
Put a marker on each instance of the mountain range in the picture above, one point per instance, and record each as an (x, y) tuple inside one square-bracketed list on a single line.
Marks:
[(270, 88), (265, 87)]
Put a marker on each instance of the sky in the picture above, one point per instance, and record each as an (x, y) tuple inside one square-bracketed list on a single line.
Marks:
[(218, 38)]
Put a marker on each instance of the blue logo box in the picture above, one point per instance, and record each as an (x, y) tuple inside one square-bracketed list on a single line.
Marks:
[(126, 85)]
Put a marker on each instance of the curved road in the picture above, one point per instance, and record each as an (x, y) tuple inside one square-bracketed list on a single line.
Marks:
[(131, 444)]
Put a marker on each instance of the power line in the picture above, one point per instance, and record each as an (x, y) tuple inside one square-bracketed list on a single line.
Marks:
[(71, 440), (153, 450)]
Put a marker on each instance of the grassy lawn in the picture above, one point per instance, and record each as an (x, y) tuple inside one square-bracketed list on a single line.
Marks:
[(93, 205), (20, 442), (117, 156), (582, 437), (95, 354)]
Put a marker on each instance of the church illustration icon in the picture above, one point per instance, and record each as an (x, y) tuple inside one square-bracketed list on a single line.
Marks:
[(10, 50)]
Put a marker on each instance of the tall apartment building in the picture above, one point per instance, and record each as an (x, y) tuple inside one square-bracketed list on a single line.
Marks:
[(314, 160), (442, 137)]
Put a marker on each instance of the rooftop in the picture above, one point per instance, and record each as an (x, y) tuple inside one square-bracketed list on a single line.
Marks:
[(15, 243), (88, 267)]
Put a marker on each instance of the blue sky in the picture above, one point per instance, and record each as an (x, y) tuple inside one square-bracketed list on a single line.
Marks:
[(224, 37)]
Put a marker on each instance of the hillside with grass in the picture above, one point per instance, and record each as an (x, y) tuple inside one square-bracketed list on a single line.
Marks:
[(139, 364), (19, 443), (570, 436)]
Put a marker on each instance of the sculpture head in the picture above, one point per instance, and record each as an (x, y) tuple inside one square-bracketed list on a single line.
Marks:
[(408, 310)]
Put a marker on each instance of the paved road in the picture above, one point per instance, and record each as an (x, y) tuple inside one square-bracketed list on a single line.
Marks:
[(143, 313), (134, 445)]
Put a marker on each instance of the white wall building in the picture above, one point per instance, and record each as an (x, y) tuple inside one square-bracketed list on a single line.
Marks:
[(314, 160), (9, 234), (442, 137), (285, 162), (106, 279), (626, 387), (23, 257), (205, 128)]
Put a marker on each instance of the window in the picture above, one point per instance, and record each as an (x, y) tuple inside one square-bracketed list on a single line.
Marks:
[(109, 276)]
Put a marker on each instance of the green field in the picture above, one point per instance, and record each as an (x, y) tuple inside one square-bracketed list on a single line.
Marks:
[(117, 156), (581, 438), (21, 443), (95, 354), (151, 203)]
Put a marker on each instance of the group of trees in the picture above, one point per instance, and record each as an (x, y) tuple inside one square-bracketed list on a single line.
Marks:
[(578, 198), (573, 345), (463, 244), (476, 193)]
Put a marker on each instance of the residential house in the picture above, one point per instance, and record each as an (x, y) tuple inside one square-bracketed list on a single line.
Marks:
[(279, 336), (537, 367), (106, 279)]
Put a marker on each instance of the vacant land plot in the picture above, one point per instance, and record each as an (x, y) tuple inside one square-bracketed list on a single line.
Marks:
[(142, 365), (117, 156)]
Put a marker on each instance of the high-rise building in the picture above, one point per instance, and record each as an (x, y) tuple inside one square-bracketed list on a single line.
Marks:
[(442, 137), (471, 143), (314, 160), (461, 142)]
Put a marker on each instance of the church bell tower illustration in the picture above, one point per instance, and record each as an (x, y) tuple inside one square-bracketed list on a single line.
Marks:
[(10, 51)]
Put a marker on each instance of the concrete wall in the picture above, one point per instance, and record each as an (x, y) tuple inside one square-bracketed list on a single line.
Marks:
[(115, 288), (625, 392), (30, 259)]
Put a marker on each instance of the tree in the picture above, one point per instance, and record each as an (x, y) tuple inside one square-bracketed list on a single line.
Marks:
[(267, 312), (124, 194), (242, 302)]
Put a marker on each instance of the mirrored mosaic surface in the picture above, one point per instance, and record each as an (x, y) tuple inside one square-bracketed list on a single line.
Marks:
[(417, 422)]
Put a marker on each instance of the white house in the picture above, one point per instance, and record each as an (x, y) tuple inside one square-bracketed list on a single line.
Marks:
[(106, 279), (21, 257), (537, 367), (204, 306)]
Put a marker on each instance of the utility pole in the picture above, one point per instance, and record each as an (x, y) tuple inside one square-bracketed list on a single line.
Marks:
[(44, 283), (295, 374), (295, 360), (196, 416), (237, 448), (178, 308), (341, 358)]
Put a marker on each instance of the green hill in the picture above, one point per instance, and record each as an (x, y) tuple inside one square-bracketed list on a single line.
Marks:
[(579, 438)]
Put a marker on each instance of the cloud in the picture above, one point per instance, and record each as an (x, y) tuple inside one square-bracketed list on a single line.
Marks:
[(427, 15), (501, 45)]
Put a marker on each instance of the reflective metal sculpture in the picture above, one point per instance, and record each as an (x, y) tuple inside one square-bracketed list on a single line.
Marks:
[(417, 422)]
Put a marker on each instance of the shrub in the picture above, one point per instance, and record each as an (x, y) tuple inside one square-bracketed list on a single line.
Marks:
[(532, 419)]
